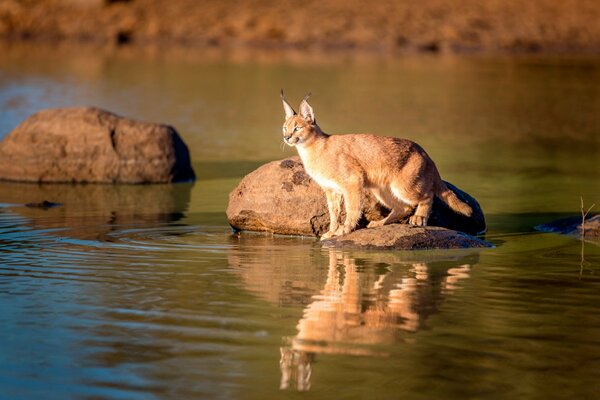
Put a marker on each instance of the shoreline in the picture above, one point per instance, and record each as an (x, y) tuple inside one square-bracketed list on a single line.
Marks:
[(271, 54), (465, 27)]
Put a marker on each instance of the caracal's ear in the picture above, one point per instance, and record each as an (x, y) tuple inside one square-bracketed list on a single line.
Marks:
[(289, 111), (306, 110)]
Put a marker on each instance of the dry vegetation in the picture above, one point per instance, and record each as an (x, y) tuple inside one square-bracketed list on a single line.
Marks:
[(409, 25)]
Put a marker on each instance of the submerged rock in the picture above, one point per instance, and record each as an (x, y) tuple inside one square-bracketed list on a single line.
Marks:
[(43, 204), (572, 226), (280, 197), (93, 145), (407, 237)]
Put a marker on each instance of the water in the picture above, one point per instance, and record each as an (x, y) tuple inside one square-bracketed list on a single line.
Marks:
[(137, 292)]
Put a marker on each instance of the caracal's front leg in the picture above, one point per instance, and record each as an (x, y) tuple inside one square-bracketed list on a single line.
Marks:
[(334, 205), (353, 203)]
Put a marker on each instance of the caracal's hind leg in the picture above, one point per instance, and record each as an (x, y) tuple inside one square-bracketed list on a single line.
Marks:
[(415, 194), (398, 209), (422, 212), (397, 213), (416, 185)]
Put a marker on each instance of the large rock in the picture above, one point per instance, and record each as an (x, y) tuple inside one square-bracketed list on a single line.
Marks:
[(280, 197), (572, 226), (92, 145), (407, 237)]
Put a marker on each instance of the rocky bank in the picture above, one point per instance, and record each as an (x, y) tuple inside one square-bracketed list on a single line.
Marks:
[(384, 26)]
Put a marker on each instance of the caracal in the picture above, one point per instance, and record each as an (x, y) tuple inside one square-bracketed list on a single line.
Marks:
[(397, 171)]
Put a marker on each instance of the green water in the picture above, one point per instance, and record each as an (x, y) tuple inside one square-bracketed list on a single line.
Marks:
[(130, 292)]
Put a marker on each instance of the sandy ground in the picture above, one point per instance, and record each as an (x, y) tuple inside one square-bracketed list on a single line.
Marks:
[(497, 26)]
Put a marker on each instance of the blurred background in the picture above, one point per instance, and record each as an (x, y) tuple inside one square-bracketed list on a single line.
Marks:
[(380, 26)]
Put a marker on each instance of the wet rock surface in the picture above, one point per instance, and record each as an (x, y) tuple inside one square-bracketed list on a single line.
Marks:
[(90, 145), (406, 237), (280, 197)]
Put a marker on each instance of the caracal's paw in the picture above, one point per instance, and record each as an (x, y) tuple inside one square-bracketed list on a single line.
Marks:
[(343, 230), (418, 220), (327, 235), (375, 224)]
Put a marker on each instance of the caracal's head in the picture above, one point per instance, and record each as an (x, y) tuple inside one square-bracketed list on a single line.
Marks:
[(298, 129)]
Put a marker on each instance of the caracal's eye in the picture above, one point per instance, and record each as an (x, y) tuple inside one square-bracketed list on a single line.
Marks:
[(296, 128)]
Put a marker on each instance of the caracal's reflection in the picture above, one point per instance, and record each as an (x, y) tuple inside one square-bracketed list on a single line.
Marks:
[(361, 308)]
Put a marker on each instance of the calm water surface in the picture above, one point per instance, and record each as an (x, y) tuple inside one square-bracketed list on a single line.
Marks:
[(137, 292)]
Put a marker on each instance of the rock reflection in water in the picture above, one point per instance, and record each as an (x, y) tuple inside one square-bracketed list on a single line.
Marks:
[(92, 212), (361, 308), (354, 302)]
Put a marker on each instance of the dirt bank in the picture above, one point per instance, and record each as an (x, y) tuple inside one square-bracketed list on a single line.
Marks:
[(387, 26)]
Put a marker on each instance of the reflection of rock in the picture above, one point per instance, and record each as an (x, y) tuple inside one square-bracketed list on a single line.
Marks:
[(91, 211), (280, 197), (406, 237), (92, 145), (277, 269), (572, 226)]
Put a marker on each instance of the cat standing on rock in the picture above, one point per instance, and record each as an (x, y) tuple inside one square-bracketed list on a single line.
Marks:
[(398, 172)]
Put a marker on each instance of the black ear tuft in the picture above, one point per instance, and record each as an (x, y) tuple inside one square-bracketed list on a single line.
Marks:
[(289, 111)]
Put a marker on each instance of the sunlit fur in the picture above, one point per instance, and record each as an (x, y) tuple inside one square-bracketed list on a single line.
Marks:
[(397, 171)]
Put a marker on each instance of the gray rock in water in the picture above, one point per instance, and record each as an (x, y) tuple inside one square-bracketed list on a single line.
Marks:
[(406, 237), (280, 197), (93, 145), (572, 226)]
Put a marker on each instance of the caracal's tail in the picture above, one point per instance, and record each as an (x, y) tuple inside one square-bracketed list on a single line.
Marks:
[(450, 198)]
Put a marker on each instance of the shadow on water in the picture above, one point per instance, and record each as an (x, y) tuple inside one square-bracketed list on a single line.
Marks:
[(92, 212), (354, 303)]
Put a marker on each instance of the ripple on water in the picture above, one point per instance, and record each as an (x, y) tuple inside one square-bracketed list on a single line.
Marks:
[(117, 254)]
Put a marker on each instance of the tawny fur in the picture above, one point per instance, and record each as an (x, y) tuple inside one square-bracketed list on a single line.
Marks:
[(397, 171)]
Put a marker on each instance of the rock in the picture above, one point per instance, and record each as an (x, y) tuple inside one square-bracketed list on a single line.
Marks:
[(407, 237), (572, 226), (444, 216), (280, 197), (43, 204), (93, 145)]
